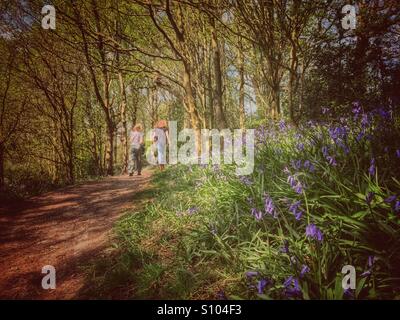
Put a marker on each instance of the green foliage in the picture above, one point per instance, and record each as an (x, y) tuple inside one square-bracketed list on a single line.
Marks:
[(199, 236)]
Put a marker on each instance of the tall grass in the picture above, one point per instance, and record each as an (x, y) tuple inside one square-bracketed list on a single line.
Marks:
[(322, 196)]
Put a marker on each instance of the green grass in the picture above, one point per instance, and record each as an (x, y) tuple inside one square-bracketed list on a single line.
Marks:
[(198, 237)]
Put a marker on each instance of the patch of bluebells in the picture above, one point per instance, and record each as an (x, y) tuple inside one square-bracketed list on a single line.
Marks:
[(294, 208), (313, 232), (269, 206), (246, 180), (372, 167), (292, 287), (294, 183)]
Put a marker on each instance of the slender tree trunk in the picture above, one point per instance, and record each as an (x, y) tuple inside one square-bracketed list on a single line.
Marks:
[(191, 106), (124, 124), (219, 108), (241, 87)]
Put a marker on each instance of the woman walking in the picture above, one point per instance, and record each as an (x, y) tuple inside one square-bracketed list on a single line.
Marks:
[(160, 139), (137, 147)]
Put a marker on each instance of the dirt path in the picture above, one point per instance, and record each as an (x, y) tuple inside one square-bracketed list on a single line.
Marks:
[(64, 229)]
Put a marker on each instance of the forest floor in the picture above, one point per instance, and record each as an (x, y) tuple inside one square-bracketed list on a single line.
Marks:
[(67, 229)]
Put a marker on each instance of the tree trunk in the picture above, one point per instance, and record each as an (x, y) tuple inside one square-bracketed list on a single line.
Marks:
[(191, 106), (242, 115), (124, 124), (219, 109)]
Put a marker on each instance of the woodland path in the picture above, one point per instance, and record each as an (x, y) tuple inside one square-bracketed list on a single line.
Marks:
[(66, 228)]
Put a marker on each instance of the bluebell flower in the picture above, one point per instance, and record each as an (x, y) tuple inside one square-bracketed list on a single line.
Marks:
[(282, 125), (292, 287), (285, 248), (398, 153), (300, 146), (372, 167), (325, 151), (390, 199), (305, 269), (369, 197), (397, 206), (294, 208), (308, 165), (371, 261), (246, 180), (360, 136), (261, 285), (331, 161), (269, 206), (298, 188), (292, 181), (348, 293), (296, 164), (365, 274), (313, 232), (365, 120), (257, 214), (192, 210), (250, 274), (221, 295)]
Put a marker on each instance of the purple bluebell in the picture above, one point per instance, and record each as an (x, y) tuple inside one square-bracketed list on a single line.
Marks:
[(296, 164), (285, 248), (269, 205), (371, 261), (397, 207), (331, 161), (246, 180), (308, 165), (221, 295), (257, 214), (369, 197), (325, 151), (294, 208), (192, 210), (390, 199), (325, 110), (298, 188), (398, 153), (365, 273), (250, 274), (365, 120), (261, 285), (292, 287), (282, 125), (305, 269), (292, 181), (300, 146), (360, 136), (372, 167), (348, 293), (313, 232)]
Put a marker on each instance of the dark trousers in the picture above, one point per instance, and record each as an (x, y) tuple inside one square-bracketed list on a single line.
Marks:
[(137, 159)]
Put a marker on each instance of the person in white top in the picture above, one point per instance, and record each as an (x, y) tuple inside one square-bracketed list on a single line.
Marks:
[(160, 139), (137, 147)]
